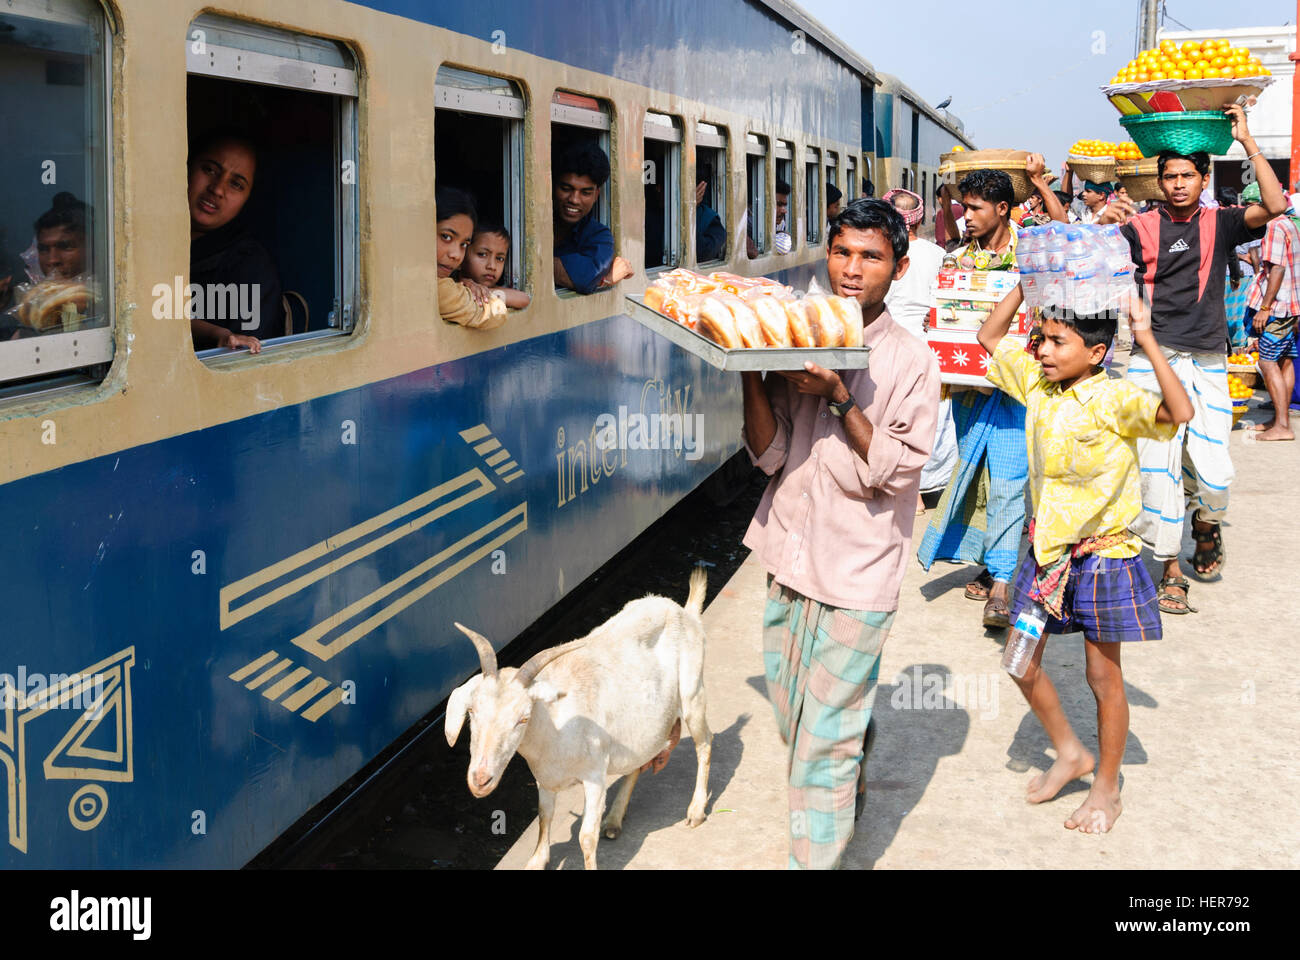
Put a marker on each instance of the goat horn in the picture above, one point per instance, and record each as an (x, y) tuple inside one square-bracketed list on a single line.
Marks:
[(529, 671), (487, 657)]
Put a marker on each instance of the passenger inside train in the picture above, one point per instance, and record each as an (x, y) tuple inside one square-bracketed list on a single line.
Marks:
[(584, 247), (223, 250), (468, 304), (782, 243), (56, 273), (710, 232), (485, 264)]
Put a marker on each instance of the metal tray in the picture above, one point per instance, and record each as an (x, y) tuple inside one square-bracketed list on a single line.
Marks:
[(765, 358)]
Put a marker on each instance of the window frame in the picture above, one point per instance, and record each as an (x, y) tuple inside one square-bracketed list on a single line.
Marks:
[(342, 83), (514, 156), (67, 356), (601, 119), (756, 146), (784, 152), (713, 138), (814, 195), (672, 133), (851, 183)]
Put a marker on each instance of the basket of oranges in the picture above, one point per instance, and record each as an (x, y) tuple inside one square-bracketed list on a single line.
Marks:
[(1095, 159), (1244, 367), (1196, 75), (1240, 394)]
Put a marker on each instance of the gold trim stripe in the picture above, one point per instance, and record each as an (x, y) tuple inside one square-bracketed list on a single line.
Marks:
[(497, 457), (507, 467), (513, 477), (280, 687), (487, 446), (324, 705), (257, 664), (296, 700), (310, 640), (474, 434), (269, 673), (325, 547)]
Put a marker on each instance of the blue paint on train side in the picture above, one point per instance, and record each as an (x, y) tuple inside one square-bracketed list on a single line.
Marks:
[(341, 537), (643, 43)]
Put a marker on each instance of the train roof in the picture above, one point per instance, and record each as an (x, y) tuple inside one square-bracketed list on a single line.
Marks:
[(891, 84), (802, 20)]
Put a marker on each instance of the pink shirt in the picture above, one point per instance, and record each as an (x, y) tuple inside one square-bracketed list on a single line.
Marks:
[(831, 526)]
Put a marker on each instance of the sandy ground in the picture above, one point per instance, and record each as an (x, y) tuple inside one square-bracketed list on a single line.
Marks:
[(1209, 774)]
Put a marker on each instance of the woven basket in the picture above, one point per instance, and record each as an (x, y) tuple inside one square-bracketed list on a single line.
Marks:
[(1180, 132), (1096, 169), (954, 166), (1139, 178)]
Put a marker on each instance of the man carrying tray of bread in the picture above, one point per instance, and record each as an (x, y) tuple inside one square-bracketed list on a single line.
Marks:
[(1180, 252), (845, 451)]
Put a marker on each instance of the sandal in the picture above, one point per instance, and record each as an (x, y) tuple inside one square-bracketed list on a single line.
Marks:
[(997, 615), (1164, 596), (1213, 557), (979, 588)]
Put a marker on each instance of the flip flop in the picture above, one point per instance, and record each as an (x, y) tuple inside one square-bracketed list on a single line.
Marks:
[(997, 613), (978, 589), (1162, 593), (1205, 558)]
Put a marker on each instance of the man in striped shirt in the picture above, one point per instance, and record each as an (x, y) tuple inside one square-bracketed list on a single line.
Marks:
[(1274, 303), (1181, 252)]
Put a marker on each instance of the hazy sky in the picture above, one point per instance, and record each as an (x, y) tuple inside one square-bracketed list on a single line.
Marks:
[(1020, 79)]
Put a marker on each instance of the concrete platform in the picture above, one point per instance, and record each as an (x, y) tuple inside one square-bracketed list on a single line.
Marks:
[(1209, 775)]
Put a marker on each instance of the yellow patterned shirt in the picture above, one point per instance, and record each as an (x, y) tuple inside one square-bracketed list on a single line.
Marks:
[(1083, 465)]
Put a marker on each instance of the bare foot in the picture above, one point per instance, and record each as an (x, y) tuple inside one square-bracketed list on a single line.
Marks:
[(1098, 813), (1275, 433), (1068, 766), (1266, 425), (661, 759)]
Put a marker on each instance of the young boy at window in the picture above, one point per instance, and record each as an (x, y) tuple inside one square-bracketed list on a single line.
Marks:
[(457, 303), (486, 262)]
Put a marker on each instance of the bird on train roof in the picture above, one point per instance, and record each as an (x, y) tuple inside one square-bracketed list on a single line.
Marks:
[(944, 105)]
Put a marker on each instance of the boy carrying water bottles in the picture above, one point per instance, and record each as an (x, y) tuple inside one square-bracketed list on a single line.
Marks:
[(1083, 567)]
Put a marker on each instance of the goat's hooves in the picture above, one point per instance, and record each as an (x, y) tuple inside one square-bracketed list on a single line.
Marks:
[(694, 819), (612, 832)]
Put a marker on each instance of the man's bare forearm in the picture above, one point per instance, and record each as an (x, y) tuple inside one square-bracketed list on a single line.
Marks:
[(760, 423)]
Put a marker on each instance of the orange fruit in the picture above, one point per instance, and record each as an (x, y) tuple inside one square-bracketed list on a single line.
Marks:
[(1194, 74), (1143, 76), (1189, 45), (1200, 64), (1218, 62), (1177, 75), (1210, 73), (1159, 75), (1184, 64)]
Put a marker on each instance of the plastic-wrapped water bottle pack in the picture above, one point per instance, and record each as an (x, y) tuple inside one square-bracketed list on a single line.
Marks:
[(1086, 269)]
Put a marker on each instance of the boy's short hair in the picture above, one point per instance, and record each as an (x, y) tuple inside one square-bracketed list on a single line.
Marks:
[(992, 186), (1096, 329), (492, 229), (586, 159), (1200, 160), (783, 187)]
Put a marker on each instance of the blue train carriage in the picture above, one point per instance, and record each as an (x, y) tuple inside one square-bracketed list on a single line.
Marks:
[(910, 136), (231, 578)]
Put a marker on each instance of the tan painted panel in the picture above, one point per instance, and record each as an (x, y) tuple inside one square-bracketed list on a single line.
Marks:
[(157, 388)]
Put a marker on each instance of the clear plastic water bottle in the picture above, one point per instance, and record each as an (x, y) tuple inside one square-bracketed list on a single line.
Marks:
[(1030, 264), (1023, 639)]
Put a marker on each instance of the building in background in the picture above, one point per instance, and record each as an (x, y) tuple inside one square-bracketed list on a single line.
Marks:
[(1270, 118)]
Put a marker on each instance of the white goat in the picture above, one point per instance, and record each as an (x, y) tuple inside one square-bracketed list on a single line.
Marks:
[(603, 704)]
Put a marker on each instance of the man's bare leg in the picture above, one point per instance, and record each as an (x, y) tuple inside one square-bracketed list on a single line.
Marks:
[(1279, 428), (1072, 759), (1100, 811)]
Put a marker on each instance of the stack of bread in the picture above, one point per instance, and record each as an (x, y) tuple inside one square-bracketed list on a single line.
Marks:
[(749, 312), (53, 304)]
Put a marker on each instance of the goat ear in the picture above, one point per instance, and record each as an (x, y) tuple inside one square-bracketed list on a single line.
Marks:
[(457, 704), (543, 691)]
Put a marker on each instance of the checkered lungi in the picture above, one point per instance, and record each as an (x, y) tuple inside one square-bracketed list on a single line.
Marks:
[(1278, 341), (1195, 467), (821, 664), (1107, 599)]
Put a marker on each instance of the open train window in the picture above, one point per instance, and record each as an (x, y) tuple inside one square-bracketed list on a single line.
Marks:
[(274, 255), (711, 206), (786, 219), (756, 187), (832, 180), (56, 285), (661, 177), (814, 205), (851, 191), (479, 147), (576, 118)]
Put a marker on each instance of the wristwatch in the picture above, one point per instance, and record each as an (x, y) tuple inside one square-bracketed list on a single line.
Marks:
[(841, 409)]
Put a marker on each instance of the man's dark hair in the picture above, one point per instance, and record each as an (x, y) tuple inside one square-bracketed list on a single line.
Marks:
[(833, 194), (1095, 328), (586, 159), (452, 201), (993, 186), (1200, 160), (868, 188), (65, 211), (783, 187), (704, 172), (1228, 197), (868, 213), (1064, 197)]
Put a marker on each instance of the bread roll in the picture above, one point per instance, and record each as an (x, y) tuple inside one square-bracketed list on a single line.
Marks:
[(44, 305), (747, 325), (773, 322), (850, 313), (716, 322), (827, 327), (654, 297), (798, 312)]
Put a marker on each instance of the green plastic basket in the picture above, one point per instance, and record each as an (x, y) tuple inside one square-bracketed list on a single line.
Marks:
[(1182, 133)]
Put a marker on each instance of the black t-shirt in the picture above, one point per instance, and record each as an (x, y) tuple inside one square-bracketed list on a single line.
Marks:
[(230, 255), (1183, 264)]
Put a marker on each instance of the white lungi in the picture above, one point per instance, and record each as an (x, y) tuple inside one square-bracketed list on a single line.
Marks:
[(1195, 467)]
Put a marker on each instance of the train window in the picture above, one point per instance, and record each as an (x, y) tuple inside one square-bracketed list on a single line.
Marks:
[(832, 180), (756, 186), (56, 284), (850, 180), (711, 207), (479, 147), (786, 222), (661, 177), (575, 119), (814, 205), (273, 185)]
